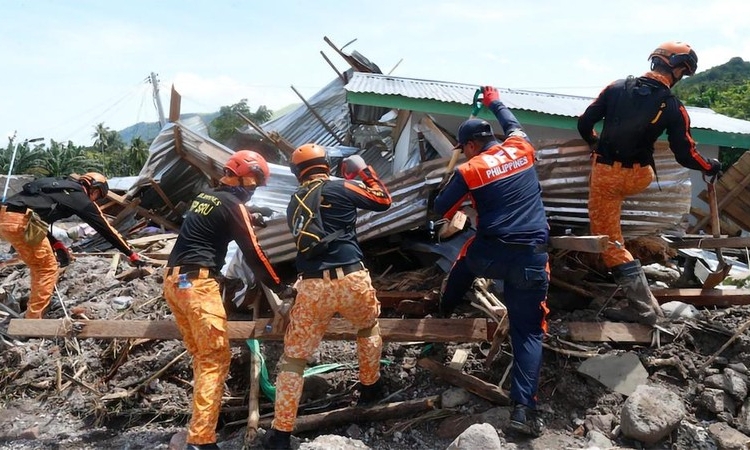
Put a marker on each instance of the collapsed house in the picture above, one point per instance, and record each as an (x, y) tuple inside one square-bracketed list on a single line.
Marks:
[(405, 129)]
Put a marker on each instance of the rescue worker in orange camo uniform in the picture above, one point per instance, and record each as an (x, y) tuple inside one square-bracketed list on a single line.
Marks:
[(216, 217), (335, 281), (54, 199), (510, 243), (636, 111)]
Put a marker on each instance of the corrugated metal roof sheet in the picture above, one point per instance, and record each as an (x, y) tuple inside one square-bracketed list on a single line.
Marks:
[(546, 103)]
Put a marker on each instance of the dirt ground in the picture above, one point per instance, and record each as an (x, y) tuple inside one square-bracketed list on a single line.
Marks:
[(97, 394)]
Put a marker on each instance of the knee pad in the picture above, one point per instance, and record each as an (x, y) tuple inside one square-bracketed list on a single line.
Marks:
[(294, 365), (374, 330)]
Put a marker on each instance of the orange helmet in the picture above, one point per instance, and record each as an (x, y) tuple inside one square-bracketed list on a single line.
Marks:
[(94, 180), (246, 163), (676, 54), (309, 157)]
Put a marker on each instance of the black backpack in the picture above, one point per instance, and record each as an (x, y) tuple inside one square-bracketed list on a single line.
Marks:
[(305, 223), (624, 137), (50, 185)]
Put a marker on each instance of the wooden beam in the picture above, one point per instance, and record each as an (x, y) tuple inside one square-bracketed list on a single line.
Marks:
[(704, 297), (175, 100), (359, 414), (588, 244), (710, 242), (320, 119), (609, 332), (145, 213), (471, 383), (394, 330)]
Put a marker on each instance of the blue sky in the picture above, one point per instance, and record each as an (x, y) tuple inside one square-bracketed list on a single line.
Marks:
[(68, 65)]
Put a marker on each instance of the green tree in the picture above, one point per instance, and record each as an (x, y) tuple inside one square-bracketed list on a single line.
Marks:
[(228, 121), (61, 160), (26, 157)]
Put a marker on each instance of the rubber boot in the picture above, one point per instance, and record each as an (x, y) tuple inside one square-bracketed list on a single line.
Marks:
[(277, 440), (642, 305)]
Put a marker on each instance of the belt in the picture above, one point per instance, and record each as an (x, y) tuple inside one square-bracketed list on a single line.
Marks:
[(536, 248), (626, 164), (192, 272), (335, 272), (14, 208)]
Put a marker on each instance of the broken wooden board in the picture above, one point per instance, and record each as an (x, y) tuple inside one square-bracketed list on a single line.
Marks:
[(707, 242), (471, 383), (394, 330), (587, 244), (609, 332), (704, 297)]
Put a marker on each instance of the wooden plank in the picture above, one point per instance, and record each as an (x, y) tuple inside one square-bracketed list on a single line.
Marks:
[(149, 239), (710, 242), (145, 213), (704, 297), (394, 330), (589, 244), (471, 383), (609, 332)]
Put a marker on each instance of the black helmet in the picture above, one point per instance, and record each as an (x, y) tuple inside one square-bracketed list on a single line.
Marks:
[(471, 129)]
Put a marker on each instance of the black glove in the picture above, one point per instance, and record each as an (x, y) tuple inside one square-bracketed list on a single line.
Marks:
[(262, 210), (489, 95), (715, 167), (286, 291), (62, 254), (258, 220)]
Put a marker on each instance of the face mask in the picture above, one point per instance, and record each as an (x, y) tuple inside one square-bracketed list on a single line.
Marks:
[(242, 192)]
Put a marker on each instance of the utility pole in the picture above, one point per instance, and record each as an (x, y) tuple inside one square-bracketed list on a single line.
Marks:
[(157, 99)]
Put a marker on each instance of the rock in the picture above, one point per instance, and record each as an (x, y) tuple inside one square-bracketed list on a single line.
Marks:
[(621, 373), (680, 311), (730, 381), (178, 441), (454, 397), (651, 414), (354, 431), (601, 423), (596, 439), (728, 438), (739, 367), (30, 433), (716, 401), (498, 418), (333, 442), (694, 437), (743, 418), (481, 435)]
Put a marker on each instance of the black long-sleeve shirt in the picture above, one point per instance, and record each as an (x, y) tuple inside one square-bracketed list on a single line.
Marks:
[(67, 200), (215, 218), (638, 132)]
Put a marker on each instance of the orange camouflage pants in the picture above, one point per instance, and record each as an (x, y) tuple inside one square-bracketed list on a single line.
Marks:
[(318, 299), (40, 259), (608, 188), (202, 321)]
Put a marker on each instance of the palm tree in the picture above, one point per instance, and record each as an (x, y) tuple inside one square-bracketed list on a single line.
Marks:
[(137, 155), (101, 137), (62, 160)]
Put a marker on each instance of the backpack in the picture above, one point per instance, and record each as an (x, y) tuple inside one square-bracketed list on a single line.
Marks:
[(50, 185), (305, 222), (638, 104)]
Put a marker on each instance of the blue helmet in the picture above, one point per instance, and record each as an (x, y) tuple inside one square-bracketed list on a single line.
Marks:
[(471, 129)]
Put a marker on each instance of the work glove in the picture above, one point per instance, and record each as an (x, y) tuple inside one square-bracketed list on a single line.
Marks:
[(262, 210), (62, 254), (136, 260), (489, 95), (257, 219), (715, 167), (351, 166), (286, 292)]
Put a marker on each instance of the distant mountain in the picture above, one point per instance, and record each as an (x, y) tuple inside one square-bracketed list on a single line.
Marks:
[(149, 130), (724, 88)]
